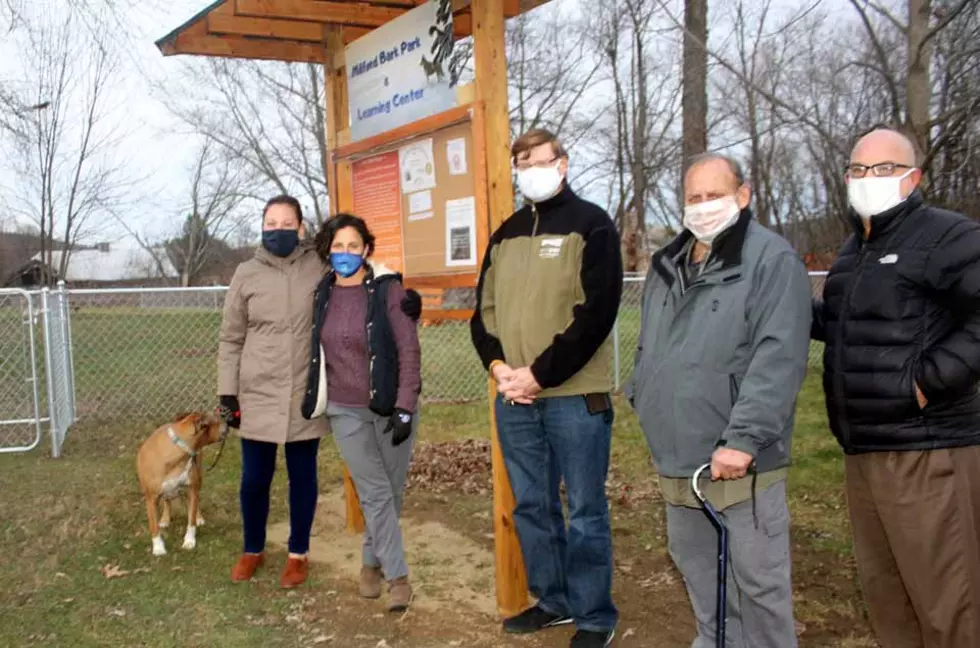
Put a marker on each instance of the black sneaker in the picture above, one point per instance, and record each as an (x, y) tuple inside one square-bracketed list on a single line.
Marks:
[(592, 639), (534, 619)]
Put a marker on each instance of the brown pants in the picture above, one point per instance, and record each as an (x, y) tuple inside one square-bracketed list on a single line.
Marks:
[(916, 522)]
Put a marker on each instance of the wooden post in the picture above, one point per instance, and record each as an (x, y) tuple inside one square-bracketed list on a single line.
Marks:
[(491, 87), (338, 184)]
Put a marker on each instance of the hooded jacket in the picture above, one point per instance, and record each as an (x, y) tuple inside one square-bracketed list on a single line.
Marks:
[(262, 346)]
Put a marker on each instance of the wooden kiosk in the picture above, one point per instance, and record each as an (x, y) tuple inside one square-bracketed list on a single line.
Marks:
[(432, 189)]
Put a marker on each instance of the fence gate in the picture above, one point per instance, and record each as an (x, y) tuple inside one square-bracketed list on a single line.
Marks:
[(20, 402)]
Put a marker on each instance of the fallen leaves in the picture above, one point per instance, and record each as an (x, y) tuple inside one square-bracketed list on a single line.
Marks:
[(452, 467), (111, 571), (464, 467)]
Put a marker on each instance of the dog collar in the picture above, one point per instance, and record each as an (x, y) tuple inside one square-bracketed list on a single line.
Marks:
[(180, 443)]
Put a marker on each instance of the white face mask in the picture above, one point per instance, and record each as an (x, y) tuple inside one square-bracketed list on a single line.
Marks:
[(539, 184), (709, 219), (871, 196)]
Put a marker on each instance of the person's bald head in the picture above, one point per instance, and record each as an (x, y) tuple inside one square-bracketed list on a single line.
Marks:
[(884, 153), (884, 145)]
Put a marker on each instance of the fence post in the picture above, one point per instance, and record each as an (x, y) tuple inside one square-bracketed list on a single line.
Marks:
[(68, 363), (616, 367), (49, 371)]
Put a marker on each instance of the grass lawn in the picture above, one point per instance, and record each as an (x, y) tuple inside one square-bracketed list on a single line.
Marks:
[(66, 525)]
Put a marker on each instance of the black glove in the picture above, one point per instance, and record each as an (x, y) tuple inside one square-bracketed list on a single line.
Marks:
[(412, 305), (400, 425), (231, 410)]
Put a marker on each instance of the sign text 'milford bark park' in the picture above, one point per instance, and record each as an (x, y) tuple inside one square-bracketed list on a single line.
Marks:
[(398, 73)]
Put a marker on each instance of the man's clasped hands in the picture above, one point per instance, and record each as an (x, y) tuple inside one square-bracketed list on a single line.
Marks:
[(516, 385)]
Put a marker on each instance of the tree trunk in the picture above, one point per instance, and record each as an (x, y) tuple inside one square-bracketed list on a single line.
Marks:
[(694, 100), (918, 85)]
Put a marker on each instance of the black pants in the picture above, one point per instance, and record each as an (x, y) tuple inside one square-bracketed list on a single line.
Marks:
[(258, 467)]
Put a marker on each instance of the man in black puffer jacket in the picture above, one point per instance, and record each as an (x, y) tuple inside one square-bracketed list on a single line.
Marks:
[(901, 318)]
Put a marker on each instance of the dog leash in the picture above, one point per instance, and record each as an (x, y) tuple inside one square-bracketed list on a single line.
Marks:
[(225, 413), (221, 449)]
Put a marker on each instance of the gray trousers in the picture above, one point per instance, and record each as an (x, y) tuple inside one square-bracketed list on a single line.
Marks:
[(760, 598), (379, 471)]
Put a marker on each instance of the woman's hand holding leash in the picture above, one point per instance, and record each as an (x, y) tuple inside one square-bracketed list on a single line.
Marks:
[(230, 410)]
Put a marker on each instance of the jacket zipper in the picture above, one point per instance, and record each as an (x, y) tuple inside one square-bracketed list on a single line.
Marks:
[(369, 287), (839, 333), (527, 270)]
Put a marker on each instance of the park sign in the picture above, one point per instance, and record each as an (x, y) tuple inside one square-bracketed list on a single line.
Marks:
[(399, 72)]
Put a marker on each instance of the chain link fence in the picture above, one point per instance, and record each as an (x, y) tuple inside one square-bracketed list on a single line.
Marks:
[(146, 354), (20, 403)]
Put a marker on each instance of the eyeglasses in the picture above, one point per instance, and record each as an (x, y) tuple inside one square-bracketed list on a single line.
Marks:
[(524, 165), (880, 170)]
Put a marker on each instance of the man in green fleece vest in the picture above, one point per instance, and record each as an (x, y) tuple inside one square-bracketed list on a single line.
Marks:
[(547, 300)]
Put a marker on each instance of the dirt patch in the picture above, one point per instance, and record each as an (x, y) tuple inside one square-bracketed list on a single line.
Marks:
[(447, 568)]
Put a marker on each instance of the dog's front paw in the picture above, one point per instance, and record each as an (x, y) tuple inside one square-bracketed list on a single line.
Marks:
[(190, 539), (158, 547)]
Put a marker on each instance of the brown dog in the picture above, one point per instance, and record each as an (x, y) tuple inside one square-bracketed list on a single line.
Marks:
[(169, 463)]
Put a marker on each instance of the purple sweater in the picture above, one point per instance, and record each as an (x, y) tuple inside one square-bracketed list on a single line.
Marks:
[(345, 346)]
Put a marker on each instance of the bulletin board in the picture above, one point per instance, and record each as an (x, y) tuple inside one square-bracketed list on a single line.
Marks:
[(422, 190)]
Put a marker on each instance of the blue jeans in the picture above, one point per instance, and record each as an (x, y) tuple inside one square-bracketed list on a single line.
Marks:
[(258, 467), (570, 573)]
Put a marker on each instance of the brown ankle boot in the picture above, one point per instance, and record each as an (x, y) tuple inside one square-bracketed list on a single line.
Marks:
[(370, 582), (399, 594), (295, 573), (245, 568)]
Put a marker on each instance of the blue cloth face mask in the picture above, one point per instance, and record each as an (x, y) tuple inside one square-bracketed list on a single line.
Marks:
[(346, 264), (280, 242)]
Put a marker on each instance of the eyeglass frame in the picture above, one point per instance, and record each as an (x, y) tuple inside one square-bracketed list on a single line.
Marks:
[(537, 165), (873, 168)]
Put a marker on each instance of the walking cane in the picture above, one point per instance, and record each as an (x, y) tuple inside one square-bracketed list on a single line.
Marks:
[(716, 521)]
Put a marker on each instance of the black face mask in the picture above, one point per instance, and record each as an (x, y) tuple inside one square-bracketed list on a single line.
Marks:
[(280, 242)]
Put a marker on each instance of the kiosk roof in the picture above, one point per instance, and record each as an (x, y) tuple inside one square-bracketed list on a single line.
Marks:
[(295, 30)]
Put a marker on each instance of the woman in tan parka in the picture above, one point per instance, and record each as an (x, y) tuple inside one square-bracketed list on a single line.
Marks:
[(263, 357)]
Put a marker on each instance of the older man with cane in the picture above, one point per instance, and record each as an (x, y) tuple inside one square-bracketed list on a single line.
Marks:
[(722, 354)]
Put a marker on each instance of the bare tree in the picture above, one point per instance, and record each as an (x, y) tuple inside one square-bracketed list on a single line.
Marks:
[(550, 73), (66, 167), (214, 225), (267, 117), (215, 200), (637, 146), (909, 80), (694, 102)]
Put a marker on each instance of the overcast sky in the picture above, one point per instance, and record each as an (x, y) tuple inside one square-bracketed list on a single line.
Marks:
[(153, 148), (156, 147)]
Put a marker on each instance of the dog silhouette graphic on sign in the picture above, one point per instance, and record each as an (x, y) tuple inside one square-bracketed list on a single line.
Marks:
[(432, 68)]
